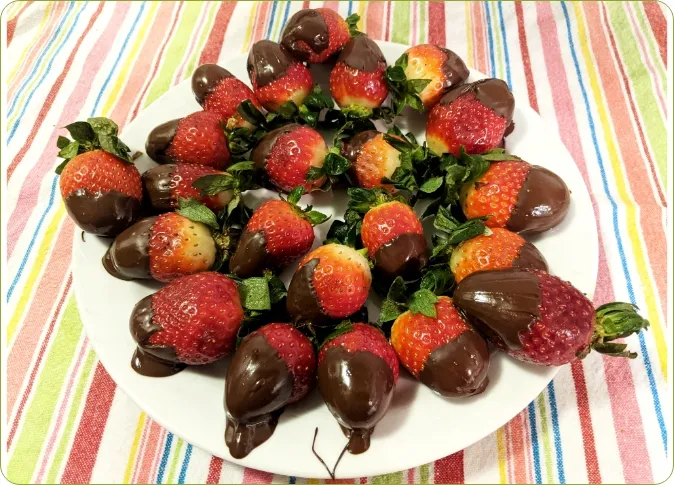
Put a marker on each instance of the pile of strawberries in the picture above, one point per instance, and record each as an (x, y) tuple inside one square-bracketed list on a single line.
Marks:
[(456, 282)]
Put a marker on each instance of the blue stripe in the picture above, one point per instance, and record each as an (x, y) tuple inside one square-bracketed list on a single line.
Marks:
[(505, 45), (39, 60), (616, 229), (164, 458), (490, 36), (285, 19), (534, 442), (350, 8), (271, 20), (186, 463), (555, 431), (54, 183), (15, 126)]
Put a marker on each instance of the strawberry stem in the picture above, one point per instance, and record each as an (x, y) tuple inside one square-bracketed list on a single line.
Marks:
[(613, 321)]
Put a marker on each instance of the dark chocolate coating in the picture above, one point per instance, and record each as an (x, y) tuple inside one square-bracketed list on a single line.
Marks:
[(251, 257), (454, 69), (357, 388), (542, 202), (158, 189), (302, 303), (159, 140), (492, 93), (257, 387), (350, 149), (263, 148), (103, 214), (458, 368), (205, 78), (506, 301), (148, 359), (128, 256), (362, 53), (405, 255), (530, 257), (267, 62), (306, 27)]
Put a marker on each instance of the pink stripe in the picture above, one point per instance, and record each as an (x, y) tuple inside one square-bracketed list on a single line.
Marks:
[(190, 50), (375, 12), (141, 448), (256, 476), (331, 5), (479, 39), (528, 445), (519, 451), (214, 44), (11, 24), (151, 451), (436, 23), (508, 452), (654, 12), (214, 469), (387, 29), (415, 21), (264, 12)]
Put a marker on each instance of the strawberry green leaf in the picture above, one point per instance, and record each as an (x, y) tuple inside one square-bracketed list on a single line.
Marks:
[(397, 143), (441, 248), (61, 166), (431, 210), (318, 99), (356, 112), (233, 204), (352, 21), (309, 117), (415, 102), (277, 290), (295, 195), (197, 212), (250, 113), (210, 185), (335, 164), (254, 293), (103, 126), (241, 139), (395, 74), (241, 166), (316, 217), (417, 85), (390, 310), (62, 142), (113, 145), (287, 110), (82, 132), (70, 151), (457, 231), (383, 113), (402, 61), (437, 278), (498, 155), (314, 173), (431, 185), (343, 327), (423, 301)]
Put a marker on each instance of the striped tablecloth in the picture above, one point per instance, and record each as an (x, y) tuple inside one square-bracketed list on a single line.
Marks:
[(596, 72)]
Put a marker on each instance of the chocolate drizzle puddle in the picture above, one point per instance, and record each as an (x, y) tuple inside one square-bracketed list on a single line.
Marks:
[(302, 303), (264, 147), (267, 62), (362, 53), (350, 149), (530, 257), (205, 79), (159, 140), (250, 258), (103, 214), (157, 187), (128, 256), (307, 27), (492, 93), (406, 255)]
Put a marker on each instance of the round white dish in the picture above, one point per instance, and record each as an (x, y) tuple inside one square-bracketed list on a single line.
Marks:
[(419, 427)]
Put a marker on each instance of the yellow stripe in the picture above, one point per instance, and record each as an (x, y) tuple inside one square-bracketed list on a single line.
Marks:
[(134, 448), (38, 33), (361, 12), (469, 34), (40, 257), (501, 451), (251, 23), (633, 230)]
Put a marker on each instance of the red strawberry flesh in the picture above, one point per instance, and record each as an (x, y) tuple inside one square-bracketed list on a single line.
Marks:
[(314, 35)]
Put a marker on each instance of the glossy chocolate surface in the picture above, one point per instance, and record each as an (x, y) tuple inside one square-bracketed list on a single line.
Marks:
[(302, 303), (268, 61), (351, 148), (250, 258), (506, 301), (406, 255), (357, 388), (257, 387), (263, 148), (148, 359), (103, 214), (205, 78), (159, 140), (542, 202), (530, 257), (454, 69), (458, 368), (492, 93), (306, 28), (362, 53), (158, 187), (128, 256)]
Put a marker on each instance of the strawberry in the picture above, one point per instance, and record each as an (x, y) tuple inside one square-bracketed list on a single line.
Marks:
[(357, 81), (331, 282), (521, 197), (276, 76), (98, 181), (539, 318), (197, 138), (288, 153), (277, 233), (357, 373), (315, 34), (474, 116), (191, 321), (443, 352), (272, 367), (372, 158)]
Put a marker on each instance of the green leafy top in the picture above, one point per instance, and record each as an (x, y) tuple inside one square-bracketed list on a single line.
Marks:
[(335, 165), (238, 178), (401, 298), (417, 163), (93, 134), (197, 212), (314, 217), (352, 21), (362, 200), (613, 321), (404, 91)]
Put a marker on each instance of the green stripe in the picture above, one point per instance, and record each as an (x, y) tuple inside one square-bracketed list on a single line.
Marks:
[(210, 16), (390, 478), (400, 30), (422, 23), (653, 50), (643, 90), (174, 461), (424, 473), (78, 398), (45, 396), (547, 446), (176, 50), (278, 20)]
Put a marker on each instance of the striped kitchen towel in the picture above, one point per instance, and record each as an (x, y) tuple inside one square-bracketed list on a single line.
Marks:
[(596, 72)]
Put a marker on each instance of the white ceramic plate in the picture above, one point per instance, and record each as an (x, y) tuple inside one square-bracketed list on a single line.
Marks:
[(419, 427)]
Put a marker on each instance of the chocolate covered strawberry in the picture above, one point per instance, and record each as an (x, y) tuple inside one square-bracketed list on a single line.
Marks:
[(357, 81), (331, 282), (444, 352), (277, 233), (474, 116), (277, 77), (271, 368), (539, 318), (288, 153), (372, 158), (191, 321), (520, 197), (197, 138), (357, 374), (99, 184), (315, 34)]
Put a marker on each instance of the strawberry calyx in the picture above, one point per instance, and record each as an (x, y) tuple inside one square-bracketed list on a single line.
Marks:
[(238, 178), (613, 321), (314, 217), (93, 134), (404, 91), (452, 232), (416, 162), (352, 21), (334, 166), (418, 298)]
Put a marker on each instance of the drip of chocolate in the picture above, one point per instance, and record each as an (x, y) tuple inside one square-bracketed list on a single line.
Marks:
[(103, 214), (362, 53), (454, 69), (159, 140), (251, 257), (506, 301), (458, 368), (357, 388), (257, 387), (529, 256), (542, 202), (492, 93), (267, 62), (306, 28), (406, 255), (205, 78), (128, 256), (263, 148), (148, 359), (302, 303), (351, 147), (158, 187)]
